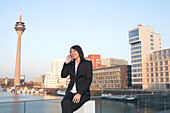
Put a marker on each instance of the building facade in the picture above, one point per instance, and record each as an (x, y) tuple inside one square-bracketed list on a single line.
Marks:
[(158, 70), (113, 61), (116, 77), (96, 61), (143, 42), (53, 79), (39, 82)]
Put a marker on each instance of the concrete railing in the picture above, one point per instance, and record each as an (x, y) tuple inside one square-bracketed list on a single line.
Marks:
[(88, 107)]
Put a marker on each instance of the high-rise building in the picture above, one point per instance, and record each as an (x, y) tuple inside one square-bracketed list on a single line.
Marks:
[(20, 28), (143, 42), (113, 61)]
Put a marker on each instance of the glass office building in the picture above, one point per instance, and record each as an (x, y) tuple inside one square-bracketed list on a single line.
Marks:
[(143, 42)]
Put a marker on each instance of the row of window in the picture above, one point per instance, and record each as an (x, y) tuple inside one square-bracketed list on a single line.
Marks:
[(158, 74), (135, 44), (136, 52), (156, 69), (134, 39), (160, 58), (160, 53), (137, 70), (137, 80), (137, 75), (136, 56), (134, 33), (137, 65), (158, 80), (136, 48), (156, 63), (138, 60)]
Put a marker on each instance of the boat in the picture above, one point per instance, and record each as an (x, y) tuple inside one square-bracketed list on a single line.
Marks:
[(32, 90), (119, 97), (45, 91), (1, 89), (122, 97)]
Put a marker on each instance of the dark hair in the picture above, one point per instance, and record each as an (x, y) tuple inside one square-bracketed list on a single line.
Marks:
[(79, 50)]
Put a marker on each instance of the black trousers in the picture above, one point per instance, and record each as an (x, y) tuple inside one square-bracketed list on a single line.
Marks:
[(68, 106)]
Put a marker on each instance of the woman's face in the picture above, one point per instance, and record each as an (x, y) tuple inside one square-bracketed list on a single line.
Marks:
[(74, 54)]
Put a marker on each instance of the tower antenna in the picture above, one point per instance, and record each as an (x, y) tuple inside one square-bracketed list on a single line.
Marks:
[(20, 14)]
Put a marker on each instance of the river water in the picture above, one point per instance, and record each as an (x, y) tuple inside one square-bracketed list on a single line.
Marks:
[(144, 104)]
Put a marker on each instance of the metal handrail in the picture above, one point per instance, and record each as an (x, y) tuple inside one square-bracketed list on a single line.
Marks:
[(27, 101)]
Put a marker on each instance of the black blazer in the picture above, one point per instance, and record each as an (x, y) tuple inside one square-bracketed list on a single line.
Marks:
[(83, 78)]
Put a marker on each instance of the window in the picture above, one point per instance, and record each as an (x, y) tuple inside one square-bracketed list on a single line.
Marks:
[(152, 80), (151, 40), (164, 53), (136, 48), (151, 74), (136, 52), (161, 68), (151, 69), (156, 68), (137, 80), (151, 44), (134, 75), (166, 62), (162, 80), (151, 36), (156, 63), (134, 33), (152, 48), (156, 80), (151, 64), (167, 79), (166, 68), (167, 74), (160, 58), (140, 75), (134, 39), (156, 74), (161, 74)]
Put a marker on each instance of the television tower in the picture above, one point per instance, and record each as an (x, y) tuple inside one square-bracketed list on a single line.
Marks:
[(20, 28)]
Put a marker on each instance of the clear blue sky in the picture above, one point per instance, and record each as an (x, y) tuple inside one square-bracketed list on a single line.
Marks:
[(53, 26)]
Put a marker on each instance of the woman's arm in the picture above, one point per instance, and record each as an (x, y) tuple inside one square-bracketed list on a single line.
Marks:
[(89, 78), (65, 70)]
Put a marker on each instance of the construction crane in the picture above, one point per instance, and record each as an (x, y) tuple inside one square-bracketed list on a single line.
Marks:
[(146, 25)]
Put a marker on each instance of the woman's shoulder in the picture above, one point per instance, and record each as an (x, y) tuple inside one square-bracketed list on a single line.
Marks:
[(87, 61)]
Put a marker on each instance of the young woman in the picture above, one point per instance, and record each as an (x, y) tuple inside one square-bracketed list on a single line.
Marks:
[(80, 71)]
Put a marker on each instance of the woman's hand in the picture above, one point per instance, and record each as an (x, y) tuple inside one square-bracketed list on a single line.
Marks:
[(69, 58), (76, 98)]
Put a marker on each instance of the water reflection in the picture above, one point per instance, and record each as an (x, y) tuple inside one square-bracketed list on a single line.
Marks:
[(15, 106), (144, 104)]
